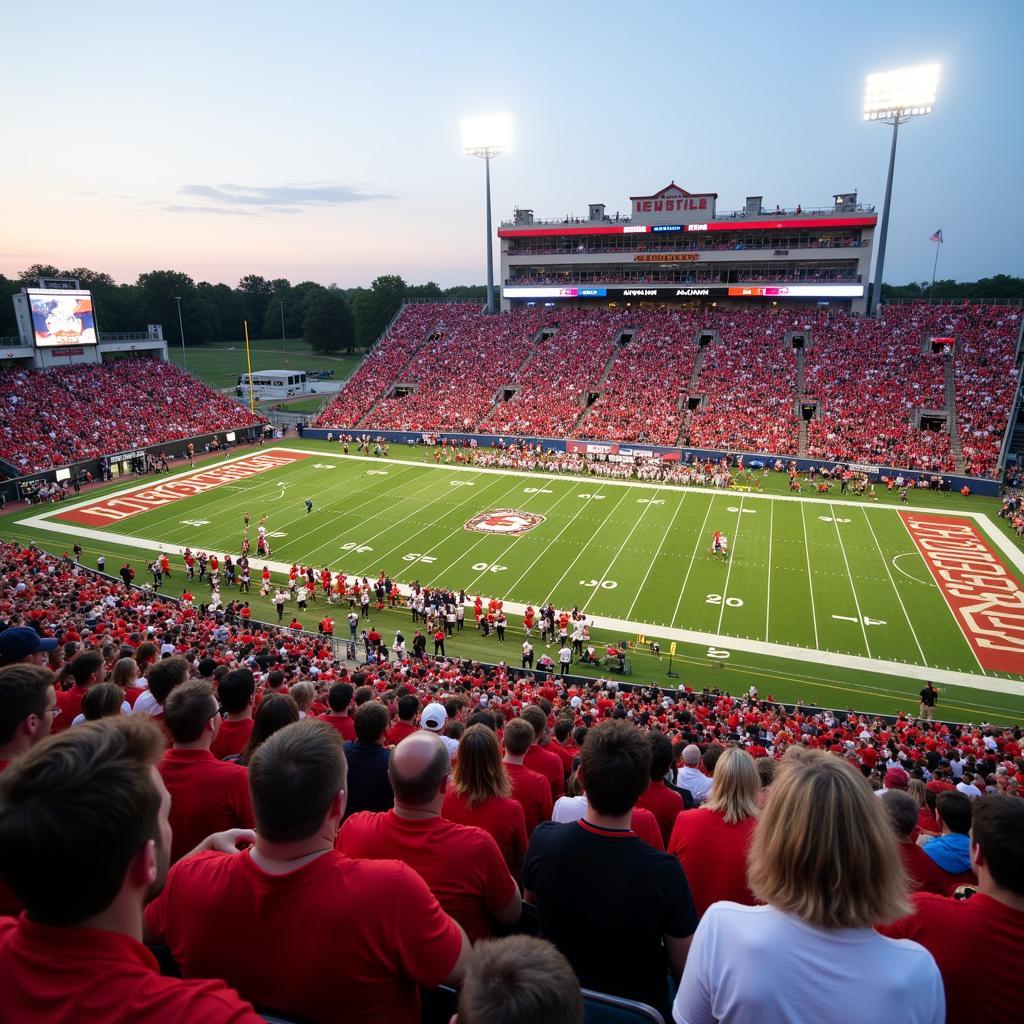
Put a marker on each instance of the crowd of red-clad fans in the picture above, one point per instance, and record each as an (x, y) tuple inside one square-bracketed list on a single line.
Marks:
[(50, 418), (343, 839), (868, 377)]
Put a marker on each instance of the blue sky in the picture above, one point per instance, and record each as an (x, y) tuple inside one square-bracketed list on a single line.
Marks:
[(321, 140)]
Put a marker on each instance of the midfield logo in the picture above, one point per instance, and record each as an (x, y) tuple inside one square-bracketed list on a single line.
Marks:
[(505, 521)]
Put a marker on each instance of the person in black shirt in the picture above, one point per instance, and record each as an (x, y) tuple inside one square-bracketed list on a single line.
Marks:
[(929, 698), (619, 910), (369, 788)]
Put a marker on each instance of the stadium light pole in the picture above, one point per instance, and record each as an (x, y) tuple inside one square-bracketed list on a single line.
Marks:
[(487, 136), (894, 97), (181, 328)]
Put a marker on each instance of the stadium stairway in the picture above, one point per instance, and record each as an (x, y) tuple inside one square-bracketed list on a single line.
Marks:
[(604, 373), (951, 425), (801, 445), (538, 337), (691, 388)]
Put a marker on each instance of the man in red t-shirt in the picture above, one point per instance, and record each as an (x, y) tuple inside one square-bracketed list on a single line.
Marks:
[(339, 698), (923, 872), (562, 745), (461, 864), (408, 706), (92, 797), (236, 693), (528, 787), (207, 795), (989, 925), (87, 669), (538, 757), (664, 803), (387, 933)]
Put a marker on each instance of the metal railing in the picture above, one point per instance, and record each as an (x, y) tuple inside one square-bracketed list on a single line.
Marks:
[(10, 342), (801, 211), (131, 336)]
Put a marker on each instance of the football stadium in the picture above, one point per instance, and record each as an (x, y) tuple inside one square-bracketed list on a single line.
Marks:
[(604, 643)]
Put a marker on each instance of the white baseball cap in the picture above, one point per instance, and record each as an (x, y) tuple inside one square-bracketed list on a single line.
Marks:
[(434, 716)]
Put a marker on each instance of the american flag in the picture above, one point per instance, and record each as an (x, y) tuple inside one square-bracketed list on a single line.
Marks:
[(937, 237)]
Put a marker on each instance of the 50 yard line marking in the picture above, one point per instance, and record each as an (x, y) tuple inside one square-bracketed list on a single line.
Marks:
[(853, 589), (768, 588), (810, 577), (686, 578), (728, 572), (892, 583), (664, 537)]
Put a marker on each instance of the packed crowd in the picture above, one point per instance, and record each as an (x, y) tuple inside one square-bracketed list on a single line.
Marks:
[(415, 810), (50, 418), (717, 242), (690, 273)]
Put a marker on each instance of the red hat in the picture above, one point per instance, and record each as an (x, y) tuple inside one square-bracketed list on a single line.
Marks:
[(896, 778), (937, 786)]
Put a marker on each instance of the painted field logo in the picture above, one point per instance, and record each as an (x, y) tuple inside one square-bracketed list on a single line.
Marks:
[(505, 521)]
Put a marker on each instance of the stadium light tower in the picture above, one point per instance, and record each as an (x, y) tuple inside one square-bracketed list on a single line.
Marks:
[(487, 136), (181, 328), (894, 97)]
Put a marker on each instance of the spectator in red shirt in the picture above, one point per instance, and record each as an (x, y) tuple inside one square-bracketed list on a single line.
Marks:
[(538, 757), (990, 923), (276, 710), (207, 795), (236, 693), (87, 669), (711, 841), (923, 872), (92, 798), (408, 706), (480, 794), (530, 788), (461, 864), (28, 706), (519, 980), (339, 698), (388, 934), (664, 803), (562, 744)]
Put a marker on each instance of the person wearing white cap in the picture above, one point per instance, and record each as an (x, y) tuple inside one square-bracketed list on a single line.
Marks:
[(434, 719)]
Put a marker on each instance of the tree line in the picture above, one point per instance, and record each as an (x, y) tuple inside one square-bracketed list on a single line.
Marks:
[(1002, 286), (331, 319)]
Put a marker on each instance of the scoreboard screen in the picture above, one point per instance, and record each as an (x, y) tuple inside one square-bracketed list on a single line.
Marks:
[(62, 318)]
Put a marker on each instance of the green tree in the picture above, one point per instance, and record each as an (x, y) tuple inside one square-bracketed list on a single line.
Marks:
[(257, 292), (328, 325), (157, 290)]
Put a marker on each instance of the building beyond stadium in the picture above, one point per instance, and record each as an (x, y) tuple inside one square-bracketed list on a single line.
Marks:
[(676, 248)]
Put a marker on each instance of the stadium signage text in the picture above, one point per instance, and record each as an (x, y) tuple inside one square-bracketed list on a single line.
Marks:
[(806, 291), (118, 507), (667, 257), (986, 600)]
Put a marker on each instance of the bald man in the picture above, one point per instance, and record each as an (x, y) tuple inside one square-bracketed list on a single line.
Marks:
[(461, 864), (691, 778)]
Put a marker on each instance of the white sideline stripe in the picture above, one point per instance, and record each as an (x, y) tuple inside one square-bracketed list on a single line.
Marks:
[(855, 662)]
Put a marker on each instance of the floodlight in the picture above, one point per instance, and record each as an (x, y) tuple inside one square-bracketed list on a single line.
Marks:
[(486, 135), (907, 92)]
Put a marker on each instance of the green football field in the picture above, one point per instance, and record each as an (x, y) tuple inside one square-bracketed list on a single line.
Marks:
[(823, 599)]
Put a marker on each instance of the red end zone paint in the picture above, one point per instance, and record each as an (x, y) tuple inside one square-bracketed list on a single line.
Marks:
[(118, 507), (986, 599)]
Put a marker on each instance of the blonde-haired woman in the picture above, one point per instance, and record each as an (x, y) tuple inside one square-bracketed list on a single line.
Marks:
[(711, 842), (303, 694), (479, 794), (824, 863)]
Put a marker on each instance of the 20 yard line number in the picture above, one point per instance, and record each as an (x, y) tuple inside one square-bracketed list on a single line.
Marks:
[(731, 602)]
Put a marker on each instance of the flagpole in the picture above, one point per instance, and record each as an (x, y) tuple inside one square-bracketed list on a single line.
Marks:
[(938, 245)]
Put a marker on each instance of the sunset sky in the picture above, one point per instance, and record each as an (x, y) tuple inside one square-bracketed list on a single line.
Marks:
[(321, 140)]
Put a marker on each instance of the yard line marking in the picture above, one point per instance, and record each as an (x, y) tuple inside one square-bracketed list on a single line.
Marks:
[(615, 557), (693, 558), (896, 566), (584, 548), (885, 562), (664, 537), (810, 577), (586, 504), (768, 589), (856, 603), (728, 571)]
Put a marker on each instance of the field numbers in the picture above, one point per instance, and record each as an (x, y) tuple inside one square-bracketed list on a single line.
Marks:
[(359, 549), (867, 621), (325, 465), (277, 533), (732, 602), (415, 556), (595, 497), (603, 584), (535, 490), (829, 519), (195, 522), (461, 483), (650, 501), (376, 472), (488, 567), (745, 511), (717, 652)]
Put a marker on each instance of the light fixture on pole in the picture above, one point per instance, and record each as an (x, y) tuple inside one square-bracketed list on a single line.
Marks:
[(487, 136), (894, 97), (181, 328)]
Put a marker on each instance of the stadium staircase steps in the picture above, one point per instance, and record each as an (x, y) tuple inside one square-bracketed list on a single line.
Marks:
[(365, 419), (600, 383), (954, 431), (801, 445), (520, 369), (691, 388)]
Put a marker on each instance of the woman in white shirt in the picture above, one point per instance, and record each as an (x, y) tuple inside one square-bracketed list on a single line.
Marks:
[(825, 864)]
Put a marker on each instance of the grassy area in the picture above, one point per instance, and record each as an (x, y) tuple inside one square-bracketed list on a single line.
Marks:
[(302, 405), (826, 578), (220, 364)]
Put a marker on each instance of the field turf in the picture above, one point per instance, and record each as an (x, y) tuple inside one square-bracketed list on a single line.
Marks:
[(822, 599)]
